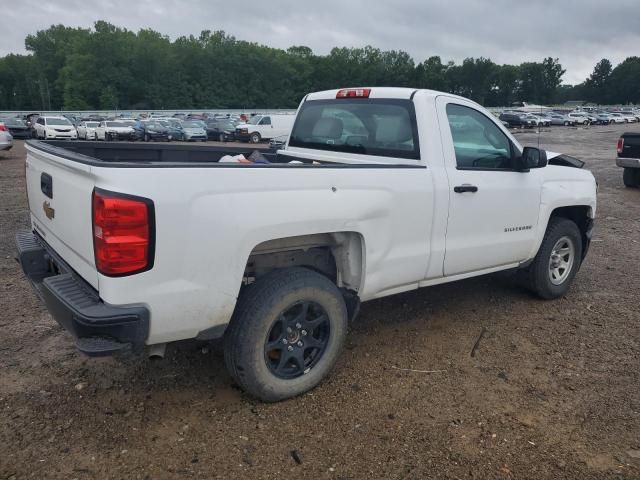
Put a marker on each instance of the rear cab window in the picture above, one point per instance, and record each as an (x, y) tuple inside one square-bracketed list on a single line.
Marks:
[(378, 127)]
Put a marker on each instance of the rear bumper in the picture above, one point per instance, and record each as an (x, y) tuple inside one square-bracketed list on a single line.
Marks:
[(628, 162), (99, 328)]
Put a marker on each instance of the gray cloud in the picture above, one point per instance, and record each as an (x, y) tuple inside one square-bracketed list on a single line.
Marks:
[(579, 32)]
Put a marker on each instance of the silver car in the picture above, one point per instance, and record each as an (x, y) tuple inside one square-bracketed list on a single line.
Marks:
[(193, 130), (6, 140), (560, 119)]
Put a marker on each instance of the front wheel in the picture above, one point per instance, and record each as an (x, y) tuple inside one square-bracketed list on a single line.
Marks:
[(631, 177), (558, 260), (255, 138), (286, 333)]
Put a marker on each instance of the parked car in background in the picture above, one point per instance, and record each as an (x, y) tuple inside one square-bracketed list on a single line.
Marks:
[(149, 130), (174, 128), (222, 130), (580, 118), (545, 117), (628, 117), (538, 120), (194, 130), (281, 141), (6, 140), (518, 120), (52, 127), (561, 119), (264, 127), (111, 130), (87, 130), (17, 127), (602, 118)]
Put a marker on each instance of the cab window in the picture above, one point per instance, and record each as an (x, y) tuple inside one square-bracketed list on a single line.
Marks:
[(265, 121), (477, 141)]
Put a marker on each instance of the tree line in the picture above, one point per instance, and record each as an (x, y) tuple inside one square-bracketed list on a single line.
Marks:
[(110, 68)]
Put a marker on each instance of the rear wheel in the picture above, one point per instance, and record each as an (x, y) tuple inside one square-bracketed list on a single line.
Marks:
[(557, 261), (566, 124), (286, 333), (631, 177)]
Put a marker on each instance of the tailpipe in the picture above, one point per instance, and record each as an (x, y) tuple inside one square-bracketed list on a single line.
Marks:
[(157, 351)]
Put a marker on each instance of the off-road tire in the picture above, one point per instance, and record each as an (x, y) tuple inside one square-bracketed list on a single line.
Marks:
[(258, 308), (536, 277)]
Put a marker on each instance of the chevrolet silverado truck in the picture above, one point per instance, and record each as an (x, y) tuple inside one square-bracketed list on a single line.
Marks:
[(377, 191), (629, 158)]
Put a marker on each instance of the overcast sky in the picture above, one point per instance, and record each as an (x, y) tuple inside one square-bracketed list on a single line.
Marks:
[(578, 32)]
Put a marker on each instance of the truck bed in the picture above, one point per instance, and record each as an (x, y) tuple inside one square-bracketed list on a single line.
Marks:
[(631, 146), (140, 154)]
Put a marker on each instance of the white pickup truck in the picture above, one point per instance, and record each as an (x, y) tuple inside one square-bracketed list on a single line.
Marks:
[(377, 191)]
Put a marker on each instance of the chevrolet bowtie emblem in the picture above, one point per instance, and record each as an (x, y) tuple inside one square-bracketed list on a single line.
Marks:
[(48, 211)]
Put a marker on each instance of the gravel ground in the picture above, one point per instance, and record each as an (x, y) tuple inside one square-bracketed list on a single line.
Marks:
[(551, 393)]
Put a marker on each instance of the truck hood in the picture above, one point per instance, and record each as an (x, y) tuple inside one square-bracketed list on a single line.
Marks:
[(563, 160)]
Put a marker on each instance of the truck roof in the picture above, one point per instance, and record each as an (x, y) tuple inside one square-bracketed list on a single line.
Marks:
[(378, 92)]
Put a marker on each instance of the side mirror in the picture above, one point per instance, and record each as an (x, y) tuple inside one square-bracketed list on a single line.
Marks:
[(532, 157)]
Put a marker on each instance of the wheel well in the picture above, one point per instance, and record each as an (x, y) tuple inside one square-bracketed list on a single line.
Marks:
[(582, 216), (337, 255)]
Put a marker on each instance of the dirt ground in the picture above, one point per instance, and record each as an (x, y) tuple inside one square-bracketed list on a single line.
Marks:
[(553, 391)]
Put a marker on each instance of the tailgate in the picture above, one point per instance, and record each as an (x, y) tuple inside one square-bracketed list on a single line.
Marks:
[(59, 192), (631, 147)]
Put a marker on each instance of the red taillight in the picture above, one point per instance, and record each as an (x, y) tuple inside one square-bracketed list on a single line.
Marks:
[(122, 233), (354, 93), (3, 127), (620, 145)]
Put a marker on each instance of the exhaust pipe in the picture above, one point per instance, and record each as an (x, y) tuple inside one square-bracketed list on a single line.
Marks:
[(157, 351)]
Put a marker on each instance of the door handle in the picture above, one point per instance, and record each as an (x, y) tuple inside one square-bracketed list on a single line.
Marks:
[(465, 188)]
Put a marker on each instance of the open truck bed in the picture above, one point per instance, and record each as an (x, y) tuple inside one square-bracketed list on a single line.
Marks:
[(135, 154)]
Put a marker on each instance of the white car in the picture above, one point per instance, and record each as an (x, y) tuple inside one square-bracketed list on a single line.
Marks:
[(113, 130), (87, 130), (580, 118), (264, 127), (56, 128), (617, 118), (628, 117), (377, 191), (6, 139)]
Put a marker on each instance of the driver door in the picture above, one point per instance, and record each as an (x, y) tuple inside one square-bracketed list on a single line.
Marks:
[(493, 209)]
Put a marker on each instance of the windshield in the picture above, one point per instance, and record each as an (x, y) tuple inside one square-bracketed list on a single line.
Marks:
[(378, 127), (128, 123), (153, 125), (115, 124), (191, 124), (58, 121), (92, 124)]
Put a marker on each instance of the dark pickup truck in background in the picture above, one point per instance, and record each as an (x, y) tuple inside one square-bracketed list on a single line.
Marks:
[(629, 158)]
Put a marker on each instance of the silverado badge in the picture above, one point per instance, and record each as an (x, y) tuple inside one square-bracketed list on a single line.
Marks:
[(48, 211)]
